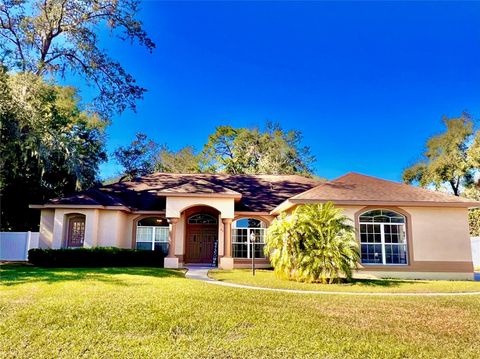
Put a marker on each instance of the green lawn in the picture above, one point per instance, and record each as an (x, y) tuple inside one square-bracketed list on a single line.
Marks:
[(266, 278), (155, 313)]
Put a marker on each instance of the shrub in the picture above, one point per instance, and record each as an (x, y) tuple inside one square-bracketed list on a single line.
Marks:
[(95, 257), (314, 243)]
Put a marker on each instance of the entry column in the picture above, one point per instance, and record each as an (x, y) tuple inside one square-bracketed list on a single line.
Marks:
[(171, 261), (226, 262)]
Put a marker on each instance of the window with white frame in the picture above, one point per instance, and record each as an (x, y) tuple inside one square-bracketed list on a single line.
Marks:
[(152, 234), (242, 231), (383, 238)]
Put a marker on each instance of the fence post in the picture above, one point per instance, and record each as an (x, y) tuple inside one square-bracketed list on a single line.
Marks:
[(29, 239)]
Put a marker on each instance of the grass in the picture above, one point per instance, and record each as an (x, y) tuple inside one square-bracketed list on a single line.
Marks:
[(149, 312), (266, 278)]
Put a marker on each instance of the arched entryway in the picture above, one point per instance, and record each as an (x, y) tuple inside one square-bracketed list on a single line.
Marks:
[(201, 235)]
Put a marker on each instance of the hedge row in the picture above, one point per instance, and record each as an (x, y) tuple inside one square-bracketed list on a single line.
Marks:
[(95, 257)]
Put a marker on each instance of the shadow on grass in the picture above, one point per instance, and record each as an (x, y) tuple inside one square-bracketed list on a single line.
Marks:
[(14, 274), (360, 282), (381, 282)]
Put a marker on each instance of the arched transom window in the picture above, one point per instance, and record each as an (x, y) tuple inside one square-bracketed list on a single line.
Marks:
[(152, 234), (383, 237), (243, 231), (202, 218)]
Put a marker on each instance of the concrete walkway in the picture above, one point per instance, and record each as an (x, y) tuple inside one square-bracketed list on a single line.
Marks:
[(201, 273)]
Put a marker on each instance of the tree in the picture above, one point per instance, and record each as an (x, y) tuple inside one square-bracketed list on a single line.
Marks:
[(59, 36), (229, 150), (473, 192), (138, 158), (451, 158), (251, 151), (314, 243), (184, 160), (49, 146)]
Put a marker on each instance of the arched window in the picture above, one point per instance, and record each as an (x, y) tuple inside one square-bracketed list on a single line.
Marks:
[(243, 231), (383, 237), (202, 218), (75, 231), (152, 234)]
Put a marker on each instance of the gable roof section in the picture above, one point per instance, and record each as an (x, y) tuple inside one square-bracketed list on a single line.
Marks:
[(199, 187), (253, 193), (91, 197), (355, 188)]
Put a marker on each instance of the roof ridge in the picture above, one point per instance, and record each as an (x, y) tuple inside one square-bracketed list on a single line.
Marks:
[(199, 184), (409, 186), (320, 185), (226, 174), (370, 183)]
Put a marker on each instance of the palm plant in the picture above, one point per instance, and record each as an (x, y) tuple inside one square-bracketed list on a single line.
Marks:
[(313, 243)]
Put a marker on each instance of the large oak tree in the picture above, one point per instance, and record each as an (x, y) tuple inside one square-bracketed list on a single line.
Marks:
[(451, 158), (59, 37), (228, 150), (255, 151), (49, 146)]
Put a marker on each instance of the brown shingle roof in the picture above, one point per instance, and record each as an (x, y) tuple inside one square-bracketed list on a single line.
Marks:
[(358, 188), (200, 186), (91, 197), (259, 193)]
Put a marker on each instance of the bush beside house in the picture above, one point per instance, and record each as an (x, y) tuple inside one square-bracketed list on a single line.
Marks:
[(313, 244), (95, 257)]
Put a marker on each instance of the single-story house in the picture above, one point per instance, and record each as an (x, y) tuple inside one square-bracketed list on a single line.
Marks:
[(403, 231)]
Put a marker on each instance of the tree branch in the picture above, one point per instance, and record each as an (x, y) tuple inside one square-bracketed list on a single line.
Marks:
[(17, 41)]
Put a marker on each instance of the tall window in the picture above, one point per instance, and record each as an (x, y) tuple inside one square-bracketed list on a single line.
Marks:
[(76, 231), (242, 230), (382, 237), (152, 234)]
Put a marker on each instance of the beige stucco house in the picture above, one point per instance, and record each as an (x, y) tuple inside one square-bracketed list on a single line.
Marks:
[(403, 231)]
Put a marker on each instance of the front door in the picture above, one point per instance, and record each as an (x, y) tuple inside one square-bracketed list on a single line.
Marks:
[(201, 238), (201, 244)]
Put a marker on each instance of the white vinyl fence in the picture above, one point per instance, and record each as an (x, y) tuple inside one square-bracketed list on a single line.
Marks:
[(14, 246), (476, 251)]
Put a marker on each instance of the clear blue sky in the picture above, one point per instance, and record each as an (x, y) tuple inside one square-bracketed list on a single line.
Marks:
[(366, 83)]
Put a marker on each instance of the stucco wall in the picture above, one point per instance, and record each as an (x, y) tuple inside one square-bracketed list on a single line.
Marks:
[(438, 242), (102, 227), (440, 234), (60, 224), (439, 237), (47, 220), (114, 229)]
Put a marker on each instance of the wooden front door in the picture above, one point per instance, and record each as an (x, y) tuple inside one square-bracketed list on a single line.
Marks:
[(200, 243), (76, 231)]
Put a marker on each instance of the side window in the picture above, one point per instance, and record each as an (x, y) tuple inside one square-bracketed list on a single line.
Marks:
[(242, 231), (152, 234), (383, 238)]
